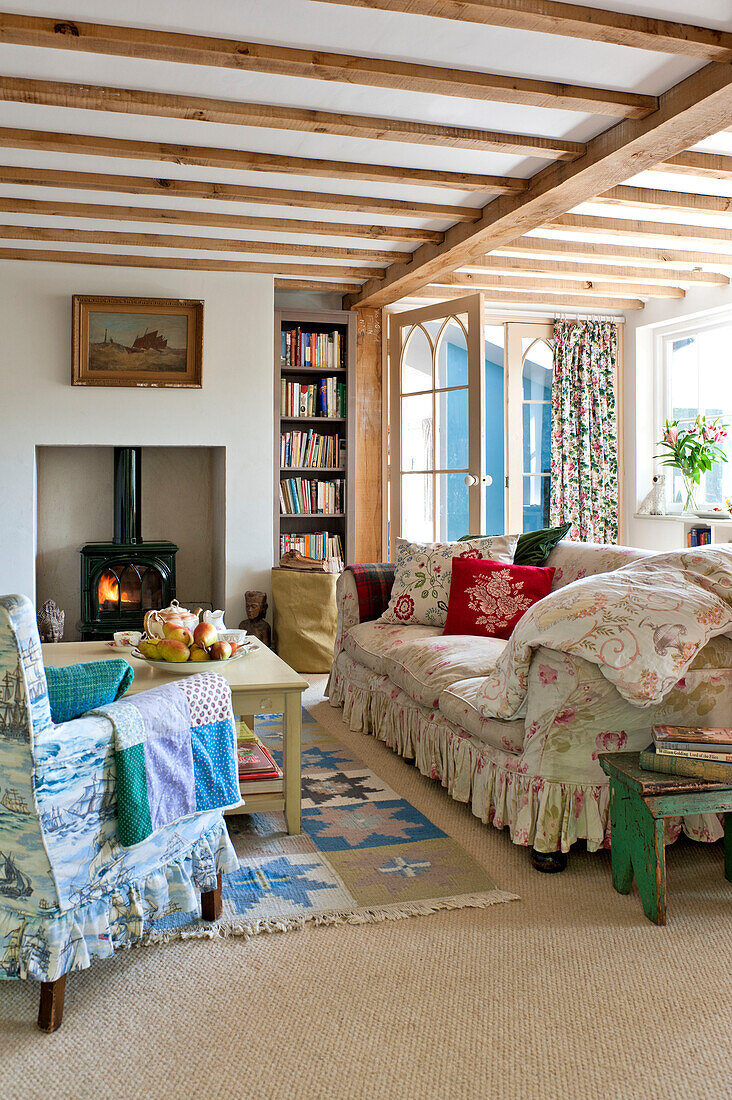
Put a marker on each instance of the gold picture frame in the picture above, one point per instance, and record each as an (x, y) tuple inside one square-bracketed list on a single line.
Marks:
[(143, 342)]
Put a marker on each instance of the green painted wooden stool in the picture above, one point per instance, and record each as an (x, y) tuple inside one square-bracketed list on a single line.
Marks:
[(639, 802)]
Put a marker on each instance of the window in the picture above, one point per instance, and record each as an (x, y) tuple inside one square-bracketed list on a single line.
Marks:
[(536, 379), (696, 377)]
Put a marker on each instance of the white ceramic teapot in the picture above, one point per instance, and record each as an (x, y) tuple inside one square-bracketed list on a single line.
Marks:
[(155, 620)]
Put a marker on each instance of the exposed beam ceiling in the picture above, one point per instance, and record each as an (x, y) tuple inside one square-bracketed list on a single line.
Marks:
[(508, 297), (628, 227), (534, 285), (105, 212), (211, 244), (243, 161), (582, 271), (53, 93), (591, 250), (666, 200), (570, 20), (234, 192), (188, 49), (705, 165), (688, 112)]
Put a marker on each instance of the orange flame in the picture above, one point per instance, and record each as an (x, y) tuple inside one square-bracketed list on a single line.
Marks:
[(108, 589)]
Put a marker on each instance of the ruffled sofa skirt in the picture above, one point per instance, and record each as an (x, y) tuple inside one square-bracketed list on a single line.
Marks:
[(46, 947), (539, 812)]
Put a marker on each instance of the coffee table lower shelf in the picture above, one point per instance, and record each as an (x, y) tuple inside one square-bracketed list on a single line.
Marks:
[(258, 802)]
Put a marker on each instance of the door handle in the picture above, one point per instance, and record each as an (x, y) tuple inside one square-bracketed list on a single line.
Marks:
[(470, 479)]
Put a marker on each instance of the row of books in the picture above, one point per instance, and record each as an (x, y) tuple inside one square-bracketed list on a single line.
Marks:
[(326, 397), (321, 545), (256, 764), (311, 449), (308, 496), (701, 752), (699, 536), (324, 350)]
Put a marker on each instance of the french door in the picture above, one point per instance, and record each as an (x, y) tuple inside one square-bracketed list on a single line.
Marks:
[(529, 355), (436, 454)]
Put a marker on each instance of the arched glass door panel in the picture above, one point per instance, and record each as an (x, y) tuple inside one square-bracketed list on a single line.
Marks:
[(536, 379)]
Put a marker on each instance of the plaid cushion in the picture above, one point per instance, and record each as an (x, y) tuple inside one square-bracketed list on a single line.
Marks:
[(373, 584)]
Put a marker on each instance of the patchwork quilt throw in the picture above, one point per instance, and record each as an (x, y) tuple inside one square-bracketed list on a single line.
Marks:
[(175, 754), (642, 625)]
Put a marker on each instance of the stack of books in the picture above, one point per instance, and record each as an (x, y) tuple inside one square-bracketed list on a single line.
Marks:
[(256, 766), (325, 398), (323, 350), (311, 450), (301, 496), (701, 752), (321, 545), (699, 536)]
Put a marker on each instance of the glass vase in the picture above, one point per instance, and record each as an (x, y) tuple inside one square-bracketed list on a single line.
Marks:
[(690, 488)]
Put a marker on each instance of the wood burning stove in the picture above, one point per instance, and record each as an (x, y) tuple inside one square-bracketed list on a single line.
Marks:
[(122, 579)]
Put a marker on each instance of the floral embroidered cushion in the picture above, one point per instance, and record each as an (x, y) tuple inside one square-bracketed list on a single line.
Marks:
[(421, 588), (489, 598)]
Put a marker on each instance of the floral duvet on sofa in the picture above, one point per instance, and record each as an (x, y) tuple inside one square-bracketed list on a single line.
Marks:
[(624, 640)]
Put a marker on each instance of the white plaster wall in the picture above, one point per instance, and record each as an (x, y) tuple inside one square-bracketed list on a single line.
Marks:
[(640, 431), (234, 409)]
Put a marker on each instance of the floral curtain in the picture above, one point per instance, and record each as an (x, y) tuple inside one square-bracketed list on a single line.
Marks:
[(584, 439)]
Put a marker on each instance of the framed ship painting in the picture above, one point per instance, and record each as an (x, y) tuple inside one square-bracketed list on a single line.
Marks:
[(136, 342)]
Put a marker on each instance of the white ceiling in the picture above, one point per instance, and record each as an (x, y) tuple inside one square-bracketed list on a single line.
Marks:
[(309, 24)]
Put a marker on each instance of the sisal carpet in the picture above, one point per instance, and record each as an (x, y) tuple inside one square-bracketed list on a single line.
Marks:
[(568, 994), (365, 854)]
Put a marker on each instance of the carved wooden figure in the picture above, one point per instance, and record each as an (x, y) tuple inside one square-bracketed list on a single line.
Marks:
[(256, 624), (51, 622)]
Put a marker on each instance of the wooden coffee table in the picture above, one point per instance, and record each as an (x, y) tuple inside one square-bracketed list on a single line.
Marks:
[(260, 684)]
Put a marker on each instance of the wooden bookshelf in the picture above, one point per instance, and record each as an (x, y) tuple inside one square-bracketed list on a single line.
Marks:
[(340, 523)]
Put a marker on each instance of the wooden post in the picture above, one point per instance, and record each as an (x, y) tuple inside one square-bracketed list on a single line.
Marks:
[(211, 902), (367, 442), (51, 1007)]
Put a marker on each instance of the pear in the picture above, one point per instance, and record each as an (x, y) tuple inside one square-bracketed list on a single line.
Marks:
[(149, 648), (198, 653), (173, 650), (176, 632), (220, 651), (205, 635)]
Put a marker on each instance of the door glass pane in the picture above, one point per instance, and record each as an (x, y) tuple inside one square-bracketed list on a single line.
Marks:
[(417, 432), (536, 502), (494, 430), (417, 507), (537, 437), (537, 373), (417, 362), (451, 507), (451, 429), (451, 368)]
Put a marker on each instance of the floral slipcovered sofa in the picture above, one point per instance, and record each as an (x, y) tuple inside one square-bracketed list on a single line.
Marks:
[(624, 640)]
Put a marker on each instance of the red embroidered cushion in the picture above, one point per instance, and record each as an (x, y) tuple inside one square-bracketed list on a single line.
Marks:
[(489, 598)]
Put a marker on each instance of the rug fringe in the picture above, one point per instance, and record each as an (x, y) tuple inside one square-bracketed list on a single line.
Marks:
[(226, 927)]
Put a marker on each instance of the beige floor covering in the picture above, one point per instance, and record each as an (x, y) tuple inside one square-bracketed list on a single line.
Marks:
[(569, 992)]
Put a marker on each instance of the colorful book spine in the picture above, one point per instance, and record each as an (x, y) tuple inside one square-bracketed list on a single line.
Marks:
[(693, 753), (653, 761)]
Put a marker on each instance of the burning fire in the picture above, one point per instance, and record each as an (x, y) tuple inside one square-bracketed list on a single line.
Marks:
[(109, 591)]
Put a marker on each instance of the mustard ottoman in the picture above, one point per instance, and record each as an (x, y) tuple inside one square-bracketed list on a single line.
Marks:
[(304, 618)]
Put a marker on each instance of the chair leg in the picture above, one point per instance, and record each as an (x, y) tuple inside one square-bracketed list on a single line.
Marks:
[(211, 902), (51, 1008)]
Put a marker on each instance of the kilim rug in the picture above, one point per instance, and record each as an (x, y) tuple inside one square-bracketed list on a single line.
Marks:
[(365, 854)]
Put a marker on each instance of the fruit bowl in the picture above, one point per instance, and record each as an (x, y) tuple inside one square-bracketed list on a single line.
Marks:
[(189, 668)]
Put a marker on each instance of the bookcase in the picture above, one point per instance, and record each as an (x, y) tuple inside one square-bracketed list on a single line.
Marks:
[(314, 466)]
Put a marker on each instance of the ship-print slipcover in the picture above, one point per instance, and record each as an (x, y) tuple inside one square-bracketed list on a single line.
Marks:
[(68, 891), (625, 640)]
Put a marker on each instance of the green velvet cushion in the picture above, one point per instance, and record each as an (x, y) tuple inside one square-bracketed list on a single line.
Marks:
[(534, 547), (76, 689)]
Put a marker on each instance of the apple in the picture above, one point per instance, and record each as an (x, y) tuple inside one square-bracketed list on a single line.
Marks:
[(205, 635), (178, 633), (220, 651), (174, 650), (198, 653)]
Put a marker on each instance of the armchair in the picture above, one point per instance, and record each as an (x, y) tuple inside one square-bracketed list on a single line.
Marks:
[(69, 892)]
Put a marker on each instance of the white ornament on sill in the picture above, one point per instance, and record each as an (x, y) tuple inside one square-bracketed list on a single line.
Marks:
[(653, 504)]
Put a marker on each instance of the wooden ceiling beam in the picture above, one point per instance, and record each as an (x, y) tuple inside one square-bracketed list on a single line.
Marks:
[(628, 227), (105, 212), (712, 166), (571, 21), (235, 192), (520, 301), (696, 107), (313, 284), (85, 97), (665, 200), (240, 160), (374, 72), (210, 244), (534, 285), (582, 271), (187, 263), (591, 250)]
